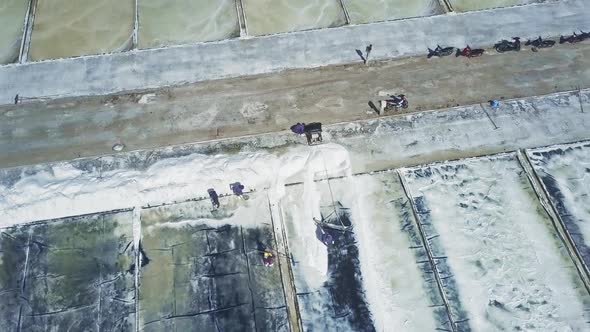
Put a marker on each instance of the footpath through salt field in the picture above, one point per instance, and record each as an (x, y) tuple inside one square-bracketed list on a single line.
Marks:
[(418, 242)]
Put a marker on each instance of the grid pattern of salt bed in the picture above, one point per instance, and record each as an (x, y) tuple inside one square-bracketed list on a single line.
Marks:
[(564, 172), (62, 28), (509, 267)]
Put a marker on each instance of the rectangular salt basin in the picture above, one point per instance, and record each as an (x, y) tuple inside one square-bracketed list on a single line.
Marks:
[(328, 280), (511, 270), (69, 274), (467, 5), (64, 28), (367, 11), (265, 17), (401, 288), (204, 268), (163, 23), (564, 171), (12, 20)]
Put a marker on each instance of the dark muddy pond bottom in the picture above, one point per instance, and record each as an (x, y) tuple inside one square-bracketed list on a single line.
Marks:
[(68, 275), (205, 270)]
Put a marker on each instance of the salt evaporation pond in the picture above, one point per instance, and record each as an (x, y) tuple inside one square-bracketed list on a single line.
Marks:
[(511, 270), (204, 269), (179, 22), (71, 274), (564, 171), (273, 16), (467, 5), (399, 280), (12, 16), (328, 280), (66, 28), (366, 11)]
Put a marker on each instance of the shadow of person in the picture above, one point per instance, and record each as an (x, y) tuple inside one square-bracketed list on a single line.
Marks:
[(360, 54), (374, 107)]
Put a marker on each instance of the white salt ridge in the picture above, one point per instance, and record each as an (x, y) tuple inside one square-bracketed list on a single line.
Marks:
[(64, 190), (393, 283), (310, 255), (510, 267), (569, 167), (250, 213)]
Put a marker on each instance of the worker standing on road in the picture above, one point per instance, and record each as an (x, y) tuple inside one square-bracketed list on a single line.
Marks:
[(368, 50)]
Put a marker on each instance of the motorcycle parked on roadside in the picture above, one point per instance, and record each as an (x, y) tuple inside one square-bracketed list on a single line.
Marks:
[(394, 103), (575, 38), (507, 46), (540, 43), (440, 51), (469, 52)]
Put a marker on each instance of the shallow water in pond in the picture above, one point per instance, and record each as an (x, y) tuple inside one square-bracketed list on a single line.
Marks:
[(185, 21), (66, 28), (366, 11), (12, 16), (273, 16), (467, 5)]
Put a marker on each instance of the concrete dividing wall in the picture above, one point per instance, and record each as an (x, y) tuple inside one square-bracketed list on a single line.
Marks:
[(105, 74)]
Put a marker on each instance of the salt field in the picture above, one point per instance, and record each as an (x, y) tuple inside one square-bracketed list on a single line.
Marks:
[(69, 274), (465, 245), (182, 22), (470, 249), (154, 175), (401, 286), (367, 11), (510, 268), (328, 280), (564, 171), (265, 17), (65, 28), (467, 5), (203, 268), (62, 29), (12, 18), (393, 278)]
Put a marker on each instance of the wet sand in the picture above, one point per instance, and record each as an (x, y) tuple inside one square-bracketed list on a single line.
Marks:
[(12, 16), (182, 22), (72, 28)]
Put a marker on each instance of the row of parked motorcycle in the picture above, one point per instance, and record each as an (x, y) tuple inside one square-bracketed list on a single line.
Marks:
[(508, 46)]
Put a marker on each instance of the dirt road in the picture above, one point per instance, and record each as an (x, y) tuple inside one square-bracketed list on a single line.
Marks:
[(35, 132)]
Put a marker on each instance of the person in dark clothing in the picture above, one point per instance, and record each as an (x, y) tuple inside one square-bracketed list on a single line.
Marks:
[(237, 188), (214, 198), (327, 239), (368, 50), (298, 128), (268, 258)]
